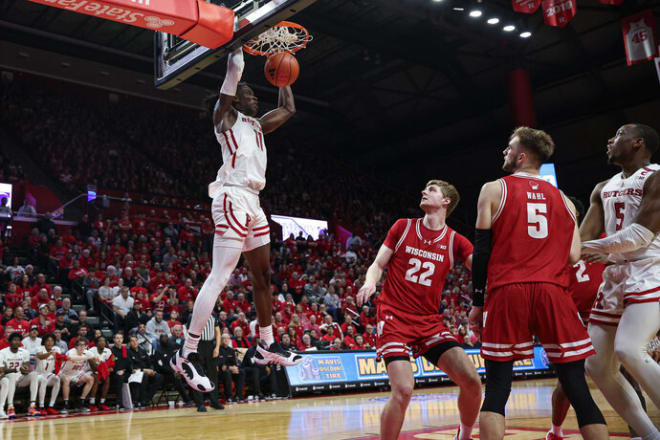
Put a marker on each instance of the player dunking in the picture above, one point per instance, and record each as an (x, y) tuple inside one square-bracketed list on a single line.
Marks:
[(527, 229), (240, 223), (418, 254), (626, 314)]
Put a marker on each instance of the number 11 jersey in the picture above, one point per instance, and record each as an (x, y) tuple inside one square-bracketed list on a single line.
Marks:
[(418, 268), (532, 233)]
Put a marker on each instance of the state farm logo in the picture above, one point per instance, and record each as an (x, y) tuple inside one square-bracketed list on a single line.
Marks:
[(157, 22)]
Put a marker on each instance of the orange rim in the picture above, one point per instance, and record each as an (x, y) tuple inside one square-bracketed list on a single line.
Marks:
[(259, 45)]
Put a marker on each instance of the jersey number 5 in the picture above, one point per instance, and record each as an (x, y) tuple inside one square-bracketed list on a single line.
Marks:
[(619, 210), (537, 222), (423, 278)]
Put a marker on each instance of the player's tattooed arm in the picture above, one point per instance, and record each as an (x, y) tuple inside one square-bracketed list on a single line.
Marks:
[(272, 120), (594, 220), (374, 274)]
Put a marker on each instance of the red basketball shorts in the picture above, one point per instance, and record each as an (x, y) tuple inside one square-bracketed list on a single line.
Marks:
[(400, 332), (515, 313)]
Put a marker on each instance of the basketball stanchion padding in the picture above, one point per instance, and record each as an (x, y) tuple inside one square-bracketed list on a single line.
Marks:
[(202, 23)]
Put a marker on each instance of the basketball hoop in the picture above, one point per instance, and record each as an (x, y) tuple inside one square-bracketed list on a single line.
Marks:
[(285, 36)]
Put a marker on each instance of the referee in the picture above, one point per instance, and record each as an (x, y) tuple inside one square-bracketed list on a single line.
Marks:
[(209, 350)]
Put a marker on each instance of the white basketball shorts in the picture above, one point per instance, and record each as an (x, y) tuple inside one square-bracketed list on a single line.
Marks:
[(628, 283), (240, 222)]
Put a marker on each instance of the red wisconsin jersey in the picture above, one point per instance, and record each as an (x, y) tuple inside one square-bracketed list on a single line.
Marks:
[(583, 285), (422, 259), (532, 233)]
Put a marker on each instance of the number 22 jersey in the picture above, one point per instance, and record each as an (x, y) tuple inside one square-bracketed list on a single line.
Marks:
[(532, 234), (419, 266)]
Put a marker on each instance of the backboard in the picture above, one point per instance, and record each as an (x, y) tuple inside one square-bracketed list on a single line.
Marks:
[(176, 59)]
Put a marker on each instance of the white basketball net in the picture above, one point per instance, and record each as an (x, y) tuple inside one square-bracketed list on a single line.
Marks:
[(279, 39)]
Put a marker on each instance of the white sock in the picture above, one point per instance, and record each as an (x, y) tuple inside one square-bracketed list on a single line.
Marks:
[(556, 430), (190, 346), (92, 400), (466, 432), (266, 335)]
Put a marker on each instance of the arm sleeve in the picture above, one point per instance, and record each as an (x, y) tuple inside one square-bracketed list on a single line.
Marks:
[(628, 239), (395, 233), (463, 248)]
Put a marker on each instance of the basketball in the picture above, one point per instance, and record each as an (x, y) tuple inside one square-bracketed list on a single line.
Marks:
[(281, 69)]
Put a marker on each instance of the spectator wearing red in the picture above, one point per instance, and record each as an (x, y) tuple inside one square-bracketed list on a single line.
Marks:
[(85, 260), (43, 322), (159, 299), (40, 284), (13, 297), (349, 337), (360, 344), (19, 323), (336, 344), (229, 304), (243, 304), (82, 333), (39, 299), (56, 297), (348, 322), (367, 316), (239, 340), (368, 335), (187, 292), (174, 319), (241, 322), (329, 335), (306, 343), (58, 251)]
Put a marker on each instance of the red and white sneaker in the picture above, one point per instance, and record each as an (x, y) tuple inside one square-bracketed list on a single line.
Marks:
[(275, 354), (92, 408), (52, 411), (33, 411), (11, 412), (552, 436), (104, 407)]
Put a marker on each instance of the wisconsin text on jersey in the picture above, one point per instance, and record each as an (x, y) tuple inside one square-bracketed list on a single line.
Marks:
[(424, 254)]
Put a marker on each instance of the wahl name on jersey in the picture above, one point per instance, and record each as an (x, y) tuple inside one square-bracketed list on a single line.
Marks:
[(424, 254), (535, 196)]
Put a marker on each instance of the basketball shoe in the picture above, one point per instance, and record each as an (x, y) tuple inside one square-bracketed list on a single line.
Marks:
[(11, 412), (275, 354), (191, 369), (33, 411)]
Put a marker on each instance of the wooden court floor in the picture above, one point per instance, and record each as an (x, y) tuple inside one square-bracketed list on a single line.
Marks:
[(432, 415)]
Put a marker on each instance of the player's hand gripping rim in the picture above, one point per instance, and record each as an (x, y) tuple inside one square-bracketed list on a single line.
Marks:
[(365, 293)]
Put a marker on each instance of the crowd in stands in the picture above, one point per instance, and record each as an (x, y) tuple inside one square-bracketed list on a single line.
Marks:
[(133, 279)]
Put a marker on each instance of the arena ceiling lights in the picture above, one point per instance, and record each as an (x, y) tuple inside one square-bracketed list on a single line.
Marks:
[(492, 16)]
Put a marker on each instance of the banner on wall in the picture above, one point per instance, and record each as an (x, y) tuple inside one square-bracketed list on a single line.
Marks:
[(526, 6), (559, 12), (329, 370), (639, 37)]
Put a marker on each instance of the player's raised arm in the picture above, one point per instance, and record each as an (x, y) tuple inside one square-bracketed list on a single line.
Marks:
[(374, 274), (224, 115), (272, 120), (593, 223), (642, 232)]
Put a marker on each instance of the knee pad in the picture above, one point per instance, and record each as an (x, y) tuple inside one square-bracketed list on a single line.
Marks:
[(571, 376), (498, 386)]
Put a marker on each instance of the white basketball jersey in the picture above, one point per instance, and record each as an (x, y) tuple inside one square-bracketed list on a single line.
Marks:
[(73, 367), (102, 356), (45, 366), (621, 199), (11, 360), (243, 156)]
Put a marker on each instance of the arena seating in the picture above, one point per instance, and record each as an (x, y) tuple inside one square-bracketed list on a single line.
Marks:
[(162, 156)]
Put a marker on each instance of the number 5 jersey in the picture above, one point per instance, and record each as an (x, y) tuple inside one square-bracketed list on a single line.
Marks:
[(532, 233)]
